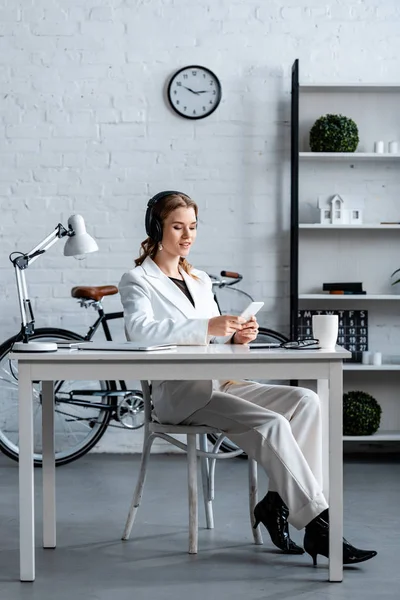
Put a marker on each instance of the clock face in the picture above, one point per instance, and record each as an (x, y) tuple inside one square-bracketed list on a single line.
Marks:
[(194, 92)]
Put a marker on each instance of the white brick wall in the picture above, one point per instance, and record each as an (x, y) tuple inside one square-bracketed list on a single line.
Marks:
[(84, 127)]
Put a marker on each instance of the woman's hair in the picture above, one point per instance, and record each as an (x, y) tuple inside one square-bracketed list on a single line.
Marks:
[(162, 209)]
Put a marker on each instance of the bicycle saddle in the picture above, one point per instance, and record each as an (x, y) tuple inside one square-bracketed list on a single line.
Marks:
[(93, 292)]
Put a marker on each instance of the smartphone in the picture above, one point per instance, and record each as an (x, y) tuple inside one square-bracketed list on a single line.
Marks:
[(251, 310)]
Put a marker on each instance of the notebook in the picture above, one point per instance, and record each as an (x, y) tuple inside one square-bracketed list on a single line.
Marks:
[(70, 344), (124, 346)]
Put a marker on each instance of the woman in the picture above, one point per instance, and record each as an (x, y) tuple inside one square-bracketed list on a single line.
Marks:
[(167, 301)]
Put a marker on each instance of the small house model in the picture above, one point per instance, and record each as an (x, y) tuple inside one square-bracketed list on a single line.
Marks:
[(340, 210)]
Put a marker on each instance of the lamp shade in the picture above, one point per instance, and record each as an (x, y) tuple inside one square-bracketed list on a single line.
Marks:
[(80, 242)]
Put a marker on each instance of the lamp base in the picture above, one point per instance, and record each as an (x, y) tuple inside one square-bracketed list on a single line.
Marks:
[(35, 347)]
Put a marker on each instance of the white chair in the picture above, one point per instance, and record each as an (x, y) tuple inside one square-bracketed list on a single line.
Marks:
[(153, 430)]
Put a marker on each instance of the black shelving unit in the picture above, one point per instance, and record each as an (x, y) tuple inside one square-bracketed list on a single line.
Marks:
[(370, 378), (294, 203)]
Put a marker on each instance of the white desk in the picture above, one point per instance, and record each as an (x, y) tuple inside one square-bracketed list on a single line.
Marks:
[(217, 361)]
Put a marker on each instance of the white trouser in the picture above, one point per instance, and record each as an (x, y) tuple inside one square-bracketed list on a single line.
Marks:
[(280, 427)]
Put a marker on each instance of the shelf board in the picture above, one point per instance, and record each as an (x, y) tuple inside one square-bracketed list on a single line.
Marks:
[(379, 436), (359, 367), (349, 87), (342, 297), (336, 227), (348, 156)]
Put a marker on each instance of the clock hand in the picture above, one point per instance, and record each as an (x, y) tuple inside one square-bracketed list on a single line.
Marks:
[(190, 90), (203, 91)]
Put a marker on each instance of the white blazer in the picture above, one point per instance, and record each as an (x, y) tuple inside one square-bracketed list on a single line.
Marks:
[(156, 311)]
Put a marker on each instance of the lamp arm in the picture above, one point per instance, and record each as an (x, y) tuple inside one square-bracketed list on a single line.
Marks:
[(21, 262), (25, 306)]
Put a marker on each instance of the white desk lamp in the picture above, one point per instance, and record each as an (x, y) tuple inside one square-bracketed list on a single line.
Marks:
[(78, 243)]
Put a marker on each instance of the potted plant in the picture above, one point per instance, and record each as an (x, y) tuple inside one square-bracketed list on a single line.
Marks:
[(334, 133), (361, 414), (397, 280)]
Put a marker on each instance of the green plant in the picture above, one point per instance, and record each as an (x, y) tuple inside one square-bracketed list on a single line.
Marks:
[(361, 414), (394, 273), (334, 133)]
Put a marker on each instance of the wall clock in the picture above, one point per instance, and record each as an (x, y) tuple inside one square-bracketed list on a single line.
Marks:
[(194, 92)]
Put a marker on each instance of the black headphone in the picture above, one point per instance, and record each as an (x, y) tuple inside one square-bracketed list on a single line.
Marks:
[(153, 222)]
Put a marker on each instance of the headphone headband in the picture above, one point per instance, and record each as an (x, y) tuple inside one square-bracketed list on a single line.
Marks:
[(152, 222), (160, 196)]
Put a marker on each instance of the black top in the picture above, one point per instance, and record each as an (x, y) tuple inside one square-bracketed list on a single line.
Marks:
[(181, 283)]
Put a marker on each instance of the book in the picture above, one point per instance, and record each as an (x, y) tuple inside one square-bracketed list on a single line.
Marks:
[(349, 286), (346, 293)]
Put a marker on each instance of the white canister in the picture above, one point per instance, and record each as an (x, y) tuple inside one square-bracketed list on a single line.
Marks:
[(393, 147), (379, 147), (377, 358), (366, 358)]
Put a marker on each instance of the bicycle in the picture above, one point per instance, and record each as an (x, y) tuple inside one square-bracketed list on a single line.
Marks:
[(84, 410)]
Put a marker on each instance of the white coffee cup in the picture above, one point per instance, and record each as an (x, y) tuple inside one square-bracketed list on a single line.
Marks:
[(325, 329)]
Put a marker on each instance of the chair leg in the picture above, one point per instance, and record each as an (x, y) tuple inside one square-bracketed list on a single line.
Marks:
[(211, 478), (137, 496), (205, 476), (253, 492), (192, 483)]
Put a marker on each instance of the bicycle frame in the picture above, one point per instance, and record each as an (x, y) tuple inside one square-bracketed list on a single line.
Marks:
[(102, 320)]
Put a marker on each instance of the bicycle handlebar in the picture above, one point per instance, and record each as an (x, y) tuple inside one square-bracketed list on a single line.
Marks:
[(236, 277), (231, 275)]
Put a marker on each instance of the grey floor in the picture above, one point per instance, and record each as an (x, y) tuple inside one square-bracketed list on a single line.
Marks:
[(92, 563)]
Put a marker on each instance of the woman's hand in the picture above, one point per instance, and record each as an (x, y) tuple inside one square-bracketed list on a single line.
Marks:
[(248, 332), (225, 325)]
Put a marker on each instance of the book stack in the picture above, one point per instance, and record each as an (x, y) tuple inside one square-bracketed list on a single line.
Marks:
[(347, 288)]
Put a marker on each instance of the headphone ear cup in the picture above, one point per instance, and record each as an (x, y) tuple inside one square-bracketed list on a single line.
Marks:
[(153, 225), (147, 221), (156, 228)]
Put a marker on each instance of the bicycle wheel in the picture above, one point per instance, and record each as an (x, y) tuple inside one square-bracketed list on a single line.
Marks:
[(77, 428), (264, 335)]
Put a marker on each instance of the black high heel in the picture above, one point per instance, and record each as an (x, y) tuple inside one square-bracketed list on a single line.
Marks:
[(316, 541), (273, 513)]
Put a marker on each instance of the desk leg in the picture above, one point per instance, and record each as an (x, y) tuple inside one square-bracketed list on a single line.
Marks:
[(323, 393), (26, 480), (49, 469), (336, 472)]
